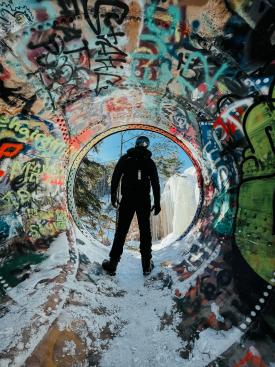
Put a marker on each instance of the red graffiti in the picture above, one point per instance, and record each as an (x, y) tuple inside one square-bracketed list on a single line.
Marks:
[(41, 15), (184, 30), (228, 126), (219, 122), (252, 356), (4, 74), (83, 137), (118, 104), (2, 173), (10, 150), (84, 60), (57, 182), (52, 179)]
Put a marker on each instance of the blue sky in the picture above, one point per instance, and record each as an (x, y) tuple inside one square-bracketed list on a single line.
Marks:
[(109, 148)]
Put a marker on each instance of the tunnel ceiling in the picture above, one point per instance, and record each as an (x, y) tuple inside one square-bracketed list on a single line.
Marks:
[(74, 71)]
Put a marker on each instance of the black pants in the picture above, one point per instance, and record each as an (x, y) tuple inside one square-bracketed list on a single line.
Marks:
[(129, 205)]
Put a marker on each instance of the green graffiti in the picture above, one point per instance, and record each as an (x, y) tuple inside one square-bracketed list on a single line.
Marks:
[(163, 72), (254, 231), (225, 213), (209, 80), (12, 201), (8, 269), (41, 141)]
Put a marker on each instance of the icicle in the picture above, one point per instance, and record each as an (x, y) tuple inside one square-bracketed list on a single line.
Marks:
[(179, 201)]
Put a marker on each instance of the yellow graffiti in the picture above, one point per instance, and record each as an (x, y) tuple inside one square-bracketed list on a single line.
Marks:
[(42, 142)]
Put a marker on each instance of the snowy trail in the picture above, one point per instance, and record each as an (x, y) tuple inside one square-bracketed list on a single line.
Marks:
[(144, 317), (145, 340), (127, 320)]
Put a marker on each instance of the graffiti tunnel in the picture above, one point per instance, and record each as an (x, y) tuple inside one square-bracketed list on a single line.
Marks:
[(197, 77)]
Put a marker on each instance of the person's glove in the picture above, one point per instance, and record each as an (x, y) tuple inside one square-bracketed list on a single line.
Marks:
[(157, 209), (114, 201)]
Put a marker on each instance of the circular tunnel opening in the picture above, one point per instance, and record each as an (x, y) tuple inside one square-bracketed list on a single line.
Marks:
[(179, 179)]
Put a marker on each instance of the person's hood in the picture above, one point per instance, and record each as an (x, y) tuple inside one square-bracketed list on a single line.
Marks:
[(139, 152)]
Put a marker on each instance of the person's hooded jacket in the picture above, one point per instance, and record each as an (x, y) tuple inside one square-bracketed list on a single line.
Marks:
[(138, 172)]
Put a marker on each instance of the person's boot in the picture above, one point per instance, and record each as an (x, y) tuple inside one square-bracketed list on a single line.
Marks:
[(147, 266), (110, 266)]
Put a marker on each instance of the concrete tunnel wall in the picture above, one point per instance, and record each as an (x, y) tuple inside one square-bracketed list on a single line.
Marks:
[(200, 72)]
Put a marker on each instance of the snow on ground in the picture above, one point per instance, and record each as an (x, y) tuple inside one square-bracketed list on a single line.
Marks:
[(142, 342), (170, 238), (29, 315), (210, 345), (141, 337), (57, 255), (127, 320)]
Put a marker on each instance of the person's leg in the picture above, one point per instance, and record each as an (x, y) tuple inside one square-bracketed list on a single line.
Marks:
[(143, 215), (125, 216)]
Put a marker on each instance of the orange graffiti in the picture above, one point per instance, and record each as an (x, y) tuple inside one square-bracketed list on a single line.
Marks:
[(83, 137), (118, 104), (10, 150), (251, 356)]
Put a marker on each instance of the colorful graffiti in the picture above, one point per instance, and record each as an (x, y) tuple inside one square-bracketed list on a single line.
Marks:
[(258, 183), (199, 72)]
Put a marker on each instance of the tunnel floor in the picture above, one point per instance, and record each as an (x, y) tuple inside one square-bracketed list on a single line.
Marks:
[(102, 313), (88, 318)]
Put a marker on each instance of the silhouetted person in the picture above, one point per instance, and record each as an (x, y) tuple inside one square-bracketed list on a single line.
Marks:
[(139, 173)]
